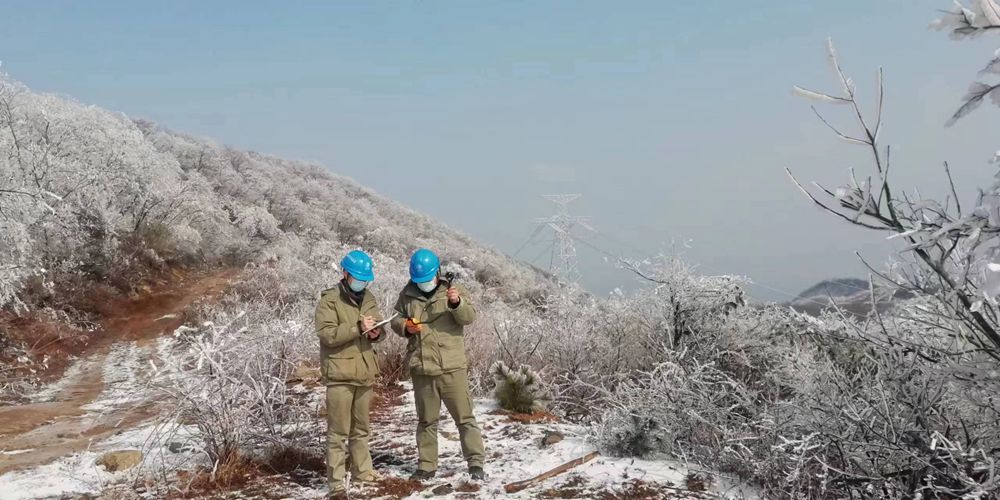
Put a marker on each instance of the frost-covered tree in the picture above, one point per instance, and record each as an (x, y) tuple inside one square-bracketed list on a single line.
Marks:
[(966, 21), (952, 250), (79, 183), (907, 406)]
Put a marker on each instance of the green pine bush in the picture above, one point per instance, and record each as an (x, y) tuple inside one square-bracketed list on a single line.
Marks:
[(517, 390)]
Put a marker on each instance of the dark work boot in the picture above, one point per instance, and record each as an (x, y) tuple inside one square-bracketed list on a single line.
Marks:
[(477, 473), (422, 475)]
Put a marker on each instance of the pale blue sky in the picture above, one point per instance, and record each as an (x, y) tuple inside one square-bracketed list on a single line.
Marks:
[(673, 119)]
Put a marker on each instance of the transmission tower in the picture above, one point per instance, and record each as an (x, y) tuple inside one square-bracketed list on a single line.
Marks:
[(562, 223)]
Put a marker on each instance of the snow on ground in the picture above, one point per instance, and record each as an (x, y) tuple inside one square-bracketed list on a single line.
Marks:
[(73, 475), (513, 454), (124, 378), (124, 371), (72, 374), (164, 448), (14, 452)]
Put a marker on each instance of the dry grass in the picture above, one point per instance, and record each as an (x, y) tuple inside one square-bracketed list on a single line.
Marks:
[(233, 474), (577, 486), (574, 487), (641, 490), (393, 367), (397, 488), (386, 398), (47, 345), (244, 474), (466, 487), (287, 460)]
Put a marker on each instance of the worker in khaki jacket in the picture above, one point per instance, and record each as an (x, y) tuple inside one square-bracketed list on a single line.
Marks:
[(432, 318), (345, 324)]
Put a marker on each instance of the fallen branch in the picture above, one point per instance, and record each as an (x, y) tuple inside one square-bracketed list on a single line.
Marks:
[(520, 485)]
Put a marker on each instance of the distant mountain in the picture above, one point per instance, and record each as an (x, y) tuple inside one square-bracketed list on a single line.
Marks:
[(840, 287), (849, 294)]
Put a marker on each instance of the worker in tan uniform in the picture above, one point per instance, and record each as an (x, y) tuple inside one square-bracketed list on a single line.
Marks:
[(432, 316), (345, 324)]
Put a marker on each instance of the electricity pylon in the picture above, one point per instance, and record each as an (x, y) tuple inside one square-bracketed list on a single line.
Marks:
[(562, 223)]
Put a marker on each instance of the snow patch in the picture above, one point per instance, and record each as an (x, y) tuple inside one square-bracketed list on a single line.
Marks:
[(15, 452), (70, 376), (124, 379), (513, 453), (73, 475), (78, 474)]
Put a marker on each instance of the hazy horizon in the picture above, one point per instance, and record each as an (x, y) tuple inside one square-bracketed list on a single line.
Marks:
[(674, 121)]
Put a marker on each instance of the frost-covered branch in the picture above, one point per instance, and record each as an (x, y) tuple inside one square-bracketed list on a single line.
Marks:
[(951, 248)]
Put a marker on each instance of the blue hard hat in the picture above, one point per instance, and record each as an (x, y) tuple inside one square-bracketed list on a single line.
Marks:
[(359, 265), (424, 265)]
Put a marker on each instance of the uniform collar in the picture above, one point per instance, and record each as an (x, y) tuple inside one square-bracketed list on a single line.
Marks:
[(347, 293)]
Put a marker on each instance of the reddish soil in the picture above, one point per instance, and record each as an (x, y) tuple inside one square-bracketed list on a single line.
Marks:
[(384, 400), (58, 427), (465, 487), (396, 487), (161, 307), (574, 487)]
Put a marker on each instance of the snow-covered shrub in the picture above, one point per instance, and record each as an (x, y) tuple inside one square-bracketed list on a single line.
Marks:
[(625, 434), (17, 264), (517, 390), (815, 408), (91, 192), (914, 376), (90, 199), (227, 377), (79, 182)]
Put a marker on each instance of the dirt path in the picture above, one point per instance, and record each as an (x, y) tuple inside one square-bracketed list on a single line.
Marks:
[(63, 418)]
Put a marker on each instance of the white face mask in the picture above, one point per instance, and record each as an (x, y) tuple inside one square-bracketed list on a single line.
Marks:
[(357, 285), (428, 286)]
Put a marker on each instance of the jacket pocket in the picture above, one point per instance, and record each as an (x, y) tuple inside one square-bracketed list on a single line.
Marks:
[(370, 371), (452, 352), (341, 369)]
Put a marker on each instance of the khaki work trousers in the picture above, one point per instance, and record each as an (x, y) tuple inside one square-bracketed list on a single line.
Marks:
[(347, 409), (453, 389)]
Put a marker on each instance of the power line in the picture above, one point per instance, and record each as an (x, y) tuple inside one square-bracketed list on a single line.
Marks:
[(645, 227), (562, 224), (546, 248), (717, 271), (530, 237)]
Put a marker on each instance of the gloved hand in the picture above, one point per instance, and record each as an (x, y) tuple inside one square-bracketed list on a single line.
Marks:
[(411, 327)]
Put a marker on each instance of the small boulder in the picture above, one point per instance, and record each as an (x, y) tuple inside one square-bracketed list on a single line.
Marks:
[(115, 461), (178, 447), (444, 489), (550, 438), (304, 373)]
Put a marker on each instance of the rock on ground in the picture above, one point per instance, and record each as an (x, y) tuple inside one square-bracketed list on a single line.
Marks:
[(115, 461)]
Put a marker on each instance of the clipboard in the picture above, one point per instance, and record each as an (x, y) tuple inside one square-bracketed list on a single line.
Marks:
[(380, 323)]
